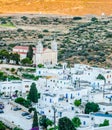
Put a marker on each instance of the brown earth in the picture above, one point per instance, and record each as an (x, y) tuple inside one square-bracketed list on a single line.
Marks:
[(70, 7)]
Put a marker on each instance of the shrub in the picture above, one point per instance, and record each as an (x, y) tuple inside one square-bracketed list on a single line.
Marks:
[(77, 18)]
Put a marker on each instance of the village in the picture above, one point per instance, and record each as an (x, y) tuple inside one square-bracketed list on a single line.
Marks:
[(61, 87)]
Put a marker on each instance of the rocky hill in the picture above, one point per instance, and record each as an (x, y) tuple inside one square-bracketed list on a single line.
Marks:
[(71, 7), (80, 39)]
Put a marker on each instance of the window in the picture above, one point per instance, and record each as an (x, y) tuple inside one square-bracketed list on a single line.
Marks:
[(4, 87), (26, 86), (84, 123)]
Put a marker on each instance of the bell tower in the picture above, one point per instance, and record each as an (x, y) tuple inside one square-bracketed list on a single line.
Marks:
[(39, 51), (54, 45), (54, 52), (39, 47)]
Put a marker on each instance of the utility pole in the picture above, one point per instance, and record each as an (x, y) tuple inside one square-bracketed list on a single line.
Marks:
[(104, 88), (54, 110)]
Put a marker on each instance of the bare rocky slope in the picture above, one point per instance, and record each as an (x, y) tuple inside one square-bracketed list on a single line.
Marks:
[(71, 7)]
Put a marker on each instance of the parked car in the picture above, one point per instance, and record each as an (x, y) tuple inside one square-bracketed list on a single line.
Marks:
[(1, 111), (1, 105), (25, 114), (17, 108), (29, 117)]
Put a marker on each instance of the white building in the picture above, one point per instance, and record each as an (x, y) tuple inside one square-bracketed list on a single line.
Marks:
[(41, 55)]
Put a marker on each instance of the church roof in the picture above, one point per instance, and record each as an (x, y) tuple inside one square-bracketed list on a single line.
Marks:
[(26, 48), (23, 47)]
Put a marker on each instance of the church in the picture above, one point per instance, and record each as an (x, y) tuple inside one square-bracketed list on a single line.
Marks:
[(41, 55)]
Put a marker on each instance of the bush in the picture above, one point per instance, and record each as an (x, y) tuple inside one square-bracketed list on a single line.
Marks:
[(91, 107), (94, 19), (20, 30), (77, 103), (22, 101), (45, 30), (40, 36), (12, 69), (2, 127), (77, 18), (24, 17), (105, 123)]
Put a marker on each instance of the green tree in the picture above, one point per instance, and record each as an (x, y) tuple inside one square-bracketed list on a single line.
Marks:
[(45, 122), (105, 123), (33, 94), (35, 120), (2, 127), (4, 55), (12, 70), (26, 61), (30, 52), (101, 77), (40, 65), (77, 102), (16, 128), (76, 121), (22, 101), (65, 124), (94, 19), (15, 57), (91, 107)]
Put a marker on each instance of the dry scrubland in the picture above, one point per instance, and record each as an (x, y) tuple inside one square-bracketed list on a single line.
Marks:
[(73, 7), (88, 40)]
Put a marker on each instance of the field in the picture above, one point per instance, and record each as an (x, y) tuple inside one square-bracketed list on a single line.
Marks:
[(70, 7)]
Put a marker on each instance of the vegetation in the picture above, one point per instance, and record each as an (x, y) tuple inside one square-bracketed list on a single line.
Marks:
[(105, 123), (30, 76), (45, 122), (30, 53), (24, 102), (65, 124), (26, 61), (77, 18), (101, 77), (40, 65), (35, 120), (33, 95), (2, 126), (16, 128), (91, 107), (76, 121), (77, 102), (87, 40)]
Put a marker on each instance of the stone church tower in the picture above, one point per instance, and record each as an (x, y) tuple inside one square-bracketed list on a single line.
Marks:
[(39, 51), (55, 51), (45, 55)]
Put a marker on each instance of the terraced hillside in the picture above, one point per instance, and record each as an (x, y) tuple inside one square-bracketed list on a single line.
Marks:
[(72, 7)]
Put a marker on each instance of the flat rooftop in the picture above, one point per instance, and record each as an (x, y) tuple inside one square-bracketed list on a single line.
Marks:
[(105, 104)]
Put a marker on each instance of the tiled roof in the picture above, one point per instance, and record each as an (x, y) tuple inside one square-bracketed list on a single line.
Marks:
[(23, 47)]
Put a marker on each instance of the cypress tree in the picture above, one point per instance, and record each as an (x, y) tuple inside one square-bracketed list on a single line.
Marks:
[(30, 52), (35, 120), (33, 94)]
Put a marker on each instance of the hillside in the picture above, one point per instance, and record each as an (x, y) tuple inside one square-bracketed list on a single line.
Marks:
[(80, 39), (71, 7)]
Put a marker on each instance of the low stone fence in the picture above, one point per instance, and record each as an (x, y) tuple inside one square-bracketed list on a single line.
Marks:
[(8, 123), (16, 104)]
